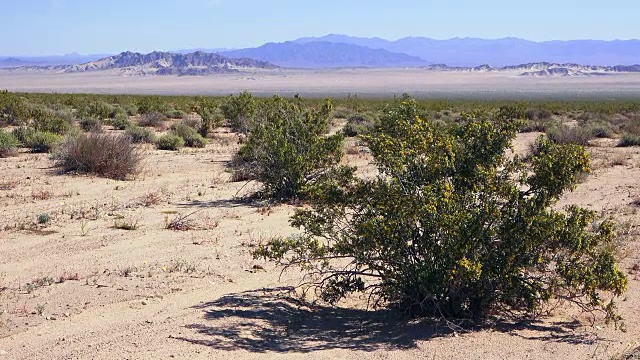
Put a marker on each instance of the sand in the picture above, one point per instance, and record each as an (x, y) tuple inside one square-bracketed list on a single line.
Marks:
[(320, 83), (155, 293)]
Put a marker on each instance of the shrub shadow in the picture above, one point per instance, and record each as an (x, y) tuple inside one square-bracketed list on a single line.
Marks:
[(272, 320)]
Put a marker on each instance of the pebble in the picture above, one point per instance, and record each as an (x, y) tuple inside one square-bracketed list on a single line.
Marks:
[(144, 302)]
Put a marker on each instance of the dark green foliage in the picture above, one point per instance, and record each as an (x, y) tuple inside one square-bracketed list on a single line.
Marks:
[(287, 149), (453, 227), (629, 140), (44, 219), (190, 136), (107, 155), (8, 144), (140, 135), (562, 134), (239, 111), (169, 142)]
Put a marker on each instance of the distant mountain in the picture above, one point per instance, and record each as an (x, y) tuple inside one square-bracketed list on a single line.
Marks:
[(541, 69), (323, 54), (53, 60), (166, 63), (499, 52)]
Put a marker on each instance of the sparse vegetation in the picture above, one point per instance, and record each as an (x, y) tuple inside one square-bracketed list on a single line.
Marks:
[(453, 228), (112, 156)]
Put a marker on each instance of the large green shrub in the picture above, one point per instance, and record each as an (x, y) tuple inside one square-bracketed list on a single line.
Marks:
[(8, 144), (46, 120), (287, 147), (112, 156), (453, 227)]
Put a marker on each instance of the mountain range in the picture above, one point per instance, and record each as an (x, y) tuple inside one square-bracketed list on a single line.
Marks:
[(166, 63), (499, 52), (551, 58)]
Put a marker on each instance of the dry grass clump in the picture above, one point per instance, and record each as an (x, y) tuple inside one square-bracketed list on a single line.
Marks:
[(152, 119), (112, 156), (181, 223)]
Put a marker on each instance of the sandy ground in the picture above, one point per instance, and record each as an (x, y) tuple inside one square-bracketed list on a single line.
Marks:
[(364, 82), (80, 288)]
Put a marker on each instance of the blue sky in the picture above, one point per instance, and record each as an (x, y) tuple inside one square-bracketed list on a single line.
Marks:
[(44, 27)]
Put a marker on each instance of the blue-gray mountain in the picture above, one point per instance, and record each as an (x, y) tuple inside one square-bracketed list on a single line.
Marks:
[(499, 52), (322, 54)]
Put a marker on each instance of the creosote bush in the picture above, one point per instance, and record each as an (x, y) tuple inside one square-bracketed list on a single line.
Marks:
[(40, 141), (169, 142), (8, 144), (190, 135), (287, 148), (140, 135), (107, 155), (452, 227)]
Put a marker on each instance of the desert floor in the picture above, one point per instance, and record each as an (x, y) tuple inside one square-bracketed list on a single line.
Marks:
[(364, 82), (81, 288)]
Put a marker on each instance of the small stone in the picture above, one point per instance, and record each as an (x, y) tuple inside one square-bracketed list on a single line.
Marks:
[(66, 314), (144, 302)]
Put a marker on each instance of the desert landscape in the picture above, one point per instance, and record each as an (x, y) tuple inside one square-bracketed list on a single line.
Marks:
[(160, 265), (207, 179)]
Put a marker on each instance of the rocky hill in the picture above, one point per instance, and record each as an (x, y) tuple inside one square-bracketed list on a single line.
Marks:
[(167, 63)]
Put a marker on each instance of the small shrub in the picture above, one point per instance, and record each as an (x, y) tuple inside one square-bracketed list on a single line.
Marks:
[(44, 219), (189, 135), (125, 224), (169, 142), (563, 134), (359, 125), (91, 124), (600, 129), (141, 135), (181, 223), (41, 141), (537, 114), (131, 109), (629, 140), (152, 119), (121, 121), (8, 144), (175, 114), (107, 155)]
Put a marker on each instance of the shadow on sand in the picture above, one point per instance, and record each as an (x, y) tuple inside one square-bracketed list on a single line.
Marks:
[(271, 320)]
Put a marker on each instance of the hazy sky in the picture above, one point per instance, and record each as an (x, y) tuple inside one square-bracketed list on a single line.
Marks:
[(38, 27)]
